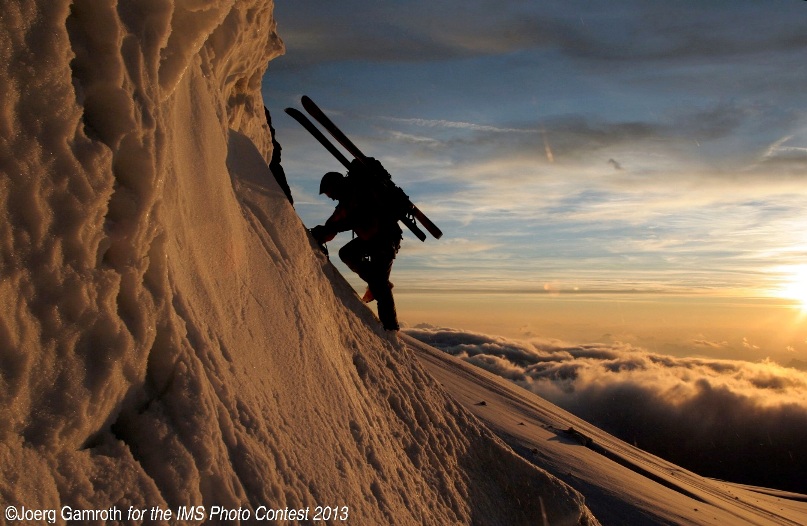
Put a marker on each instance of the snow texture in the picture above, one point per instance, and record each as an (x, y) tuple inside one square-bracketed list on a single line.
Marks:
[(169, 334)]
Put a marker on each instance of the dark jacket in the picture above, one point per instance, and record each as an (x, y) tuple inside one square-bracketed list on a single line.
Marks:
[(363, 212)]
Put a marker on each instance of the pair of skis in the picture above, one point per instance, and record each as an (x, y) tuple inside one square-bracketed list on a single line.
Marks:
[(411, 216)]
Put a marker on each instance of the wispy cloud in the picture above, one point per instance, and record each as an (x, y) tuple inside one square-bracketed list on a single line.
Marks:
[(700, 413), (614, 137), (441, 123), (419, 140), (787, 156), (710, 344)]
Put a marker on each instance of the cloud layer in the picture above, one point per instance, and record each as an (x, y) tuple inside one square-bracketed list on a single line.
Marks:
[(739, 421)]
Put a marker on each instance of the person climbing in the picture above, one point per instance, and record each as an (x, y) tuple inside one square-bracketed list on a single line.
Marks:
[(377, 236)]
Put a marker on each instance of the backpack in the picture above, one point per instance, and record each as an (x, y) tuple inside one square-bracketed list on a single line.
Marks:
[(373, 183)]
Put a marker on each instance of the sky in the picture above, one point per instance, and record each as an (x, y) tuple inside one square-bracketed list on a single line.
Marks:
[(624, 171)]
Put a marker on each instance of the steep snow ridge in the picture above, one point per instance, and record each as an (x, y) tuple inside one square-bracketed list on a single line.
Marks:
[(170, 335), (192, 22)]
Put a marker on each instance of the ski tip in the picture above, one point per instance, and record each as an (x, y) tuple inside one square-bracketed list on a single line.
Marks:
[(309, 104), (295, 114)]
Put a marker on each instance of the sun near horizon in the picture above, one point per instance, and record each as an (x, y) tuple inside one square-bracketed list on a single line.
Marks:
[(794, 286)]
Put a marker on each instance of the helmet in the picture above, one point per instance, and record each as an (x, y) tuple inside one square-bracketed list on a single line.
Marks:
[(330, 181)]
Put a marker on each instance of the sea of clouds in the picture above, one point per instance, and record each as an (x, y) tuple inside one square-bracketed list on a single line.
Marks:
[(733, 420)]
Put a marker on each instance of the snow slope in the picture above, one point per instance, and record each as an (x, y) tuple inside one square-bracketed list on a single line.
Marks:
[(622, 484), (169, 335)]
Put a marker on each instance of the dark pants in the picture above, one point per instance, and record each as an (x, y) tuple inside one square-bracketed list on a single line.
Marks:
[(372, 261)]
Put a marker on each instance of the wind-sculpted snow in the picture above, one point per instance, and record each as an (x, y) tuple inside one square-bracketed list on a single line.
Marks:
[(170, 336), (718, 411)]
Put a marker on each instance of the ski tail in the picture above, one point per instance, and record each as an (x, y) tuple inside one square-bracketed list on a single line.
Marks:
[(426, 222), (413, 227)]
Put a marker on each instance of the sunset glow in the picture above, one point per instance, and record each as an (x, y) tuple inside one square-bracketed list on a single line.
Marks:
[(794, 287), (598, 172)]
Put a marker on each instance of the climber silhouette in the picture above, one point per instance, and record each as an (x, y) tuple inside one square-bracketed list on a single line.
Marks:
[(378, 237)]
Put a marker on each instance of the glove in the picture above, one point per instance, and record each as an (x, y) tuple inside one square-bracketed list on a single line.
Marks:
[(319, 234)]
